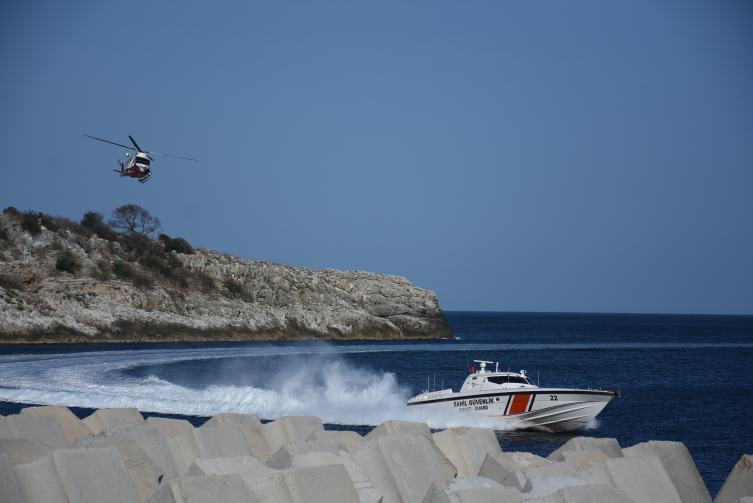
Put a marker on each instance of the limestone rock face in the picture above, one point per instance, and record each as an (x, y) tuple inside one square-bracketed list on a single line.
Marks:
[(266, 301)]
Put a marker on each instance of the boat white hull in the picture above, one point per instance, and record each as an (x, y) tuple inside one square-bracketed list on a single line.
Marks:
[(551, 408)]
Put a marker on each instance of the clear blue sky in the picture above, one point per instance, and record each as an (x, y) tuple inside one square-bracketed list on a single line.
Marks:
[(511, 156)]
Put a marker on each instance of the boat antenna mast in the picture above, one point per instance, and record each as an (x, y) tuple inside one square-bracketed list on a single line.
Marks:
[(467, 362)]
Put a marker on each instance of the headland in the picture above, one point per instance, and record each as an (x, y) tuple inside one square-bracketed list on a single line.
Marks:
[(67, 282)]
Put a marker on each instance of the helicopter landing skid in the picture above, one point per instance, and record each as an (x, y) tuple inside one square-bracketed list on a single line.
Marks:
[(145, 179)]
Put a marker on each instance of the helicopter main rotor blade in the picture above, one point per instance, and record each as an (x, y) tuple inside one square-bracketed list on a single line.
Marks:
[(118, 144), (168, 155), (134, 143)]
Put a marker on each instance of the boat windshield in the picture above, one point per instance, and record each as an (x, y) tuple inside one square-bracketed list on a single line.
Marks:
[(508, 379)]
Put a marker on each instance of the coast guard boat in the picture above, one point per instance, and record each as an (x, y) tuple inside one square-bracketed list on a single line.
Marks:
[(513, 396)]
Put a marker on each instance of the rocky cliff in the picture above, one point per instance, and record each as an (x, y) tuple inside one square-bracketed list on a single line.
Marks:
[(58, 284)]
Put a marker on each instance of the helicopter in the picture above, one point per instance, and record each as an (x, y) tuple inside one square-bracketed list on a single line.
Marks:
[(137, 165)]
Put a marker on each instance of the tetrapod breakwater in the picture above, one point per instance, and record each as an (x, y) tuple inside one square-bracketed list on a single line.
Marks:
[(115, 455)]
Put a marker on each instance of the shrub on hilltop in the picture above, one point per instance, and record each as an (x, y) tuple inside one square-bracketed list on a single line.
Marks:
[(180, 245), (30, 222), (48, 222), (95, 222), (130, 254), (33, 221)]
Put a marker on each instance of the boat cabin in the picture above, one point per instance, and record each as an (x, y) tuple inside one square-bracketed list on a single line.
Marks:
[(484, 380)]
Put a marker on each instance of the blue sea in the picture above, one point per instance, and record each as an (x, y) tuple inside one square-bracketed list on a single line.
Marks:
[(686, 378)]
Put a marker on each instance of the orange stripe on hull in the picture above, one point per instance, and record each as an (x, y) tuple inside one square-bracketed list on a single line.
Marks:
[(519, 404)]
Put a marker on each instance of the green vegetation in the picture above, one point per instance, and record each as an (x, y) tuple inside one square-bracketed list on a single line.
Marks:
[(67, 262), (48, 222), (95, 222), (231, 285), (122, 270), (128, 254), (180, 245), (30, 222)]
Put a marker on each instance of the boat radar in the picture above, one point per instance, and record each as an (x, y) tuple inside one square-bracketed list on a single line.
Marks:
[(483, 366)]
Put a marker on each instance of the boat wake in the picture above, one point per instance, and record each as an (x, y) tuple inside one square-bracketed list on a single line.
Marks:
[(326, 387)]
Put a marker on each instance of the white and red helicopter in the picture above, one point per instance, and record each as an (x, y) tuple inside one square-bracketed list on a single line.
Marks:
[(137, 165)]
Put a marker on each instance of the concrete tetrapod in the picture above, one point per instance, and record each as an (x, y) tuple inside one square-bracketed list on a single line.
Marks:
[(467, 448), (251, 428), (401, 467), (538, 487), (583, 460), (20, 450), (411, 428), (739, 482), (112, 418), (586, 494), (39, 481), (77, 476), (350, 439), (169, 427), (143, 472), (233, 420), (643, 478), (680, 467), (248, 467), (204, 489), (284, 457), (290, 430), (8, 485), (520, 477), (41, 428), (367, 493), (72, 426), (499, 466), (608, 446), (307, 484), (205, 443), (153, 445), (471, 490)]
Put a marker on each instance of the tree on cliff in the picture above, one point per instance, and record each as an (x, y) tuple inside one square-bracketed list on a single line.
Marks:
[(132, 219)]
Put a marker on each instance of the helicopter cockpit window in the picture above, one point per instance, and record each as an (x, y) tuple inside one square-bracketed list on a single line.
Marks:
[(142, 160)]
